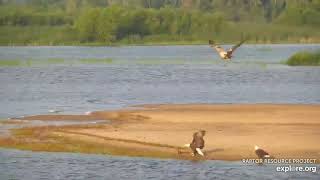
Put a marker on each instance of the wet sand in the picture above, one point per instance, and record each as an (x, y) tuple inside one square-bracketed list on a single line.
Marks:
[(285, 131)]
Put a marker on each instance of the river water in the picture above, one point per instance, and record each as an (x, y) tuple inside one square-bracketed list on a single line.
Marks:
[(80, 79)]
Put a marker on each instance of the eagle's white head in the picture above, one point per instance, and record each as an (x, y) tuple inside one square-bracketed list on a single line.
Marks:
[(256, 147)]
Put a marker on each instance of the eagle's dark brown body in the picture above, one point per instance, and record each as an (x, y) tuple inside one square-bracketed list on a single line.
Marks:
[(262, 154), (197, 141)]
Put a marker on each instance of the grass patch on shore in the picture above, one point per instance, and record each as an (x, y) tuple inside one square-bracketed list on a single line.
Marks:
[(55, 61), (13, 62), (304, 59), (96, 61), (30, 62), (50, 62), (8, 122)]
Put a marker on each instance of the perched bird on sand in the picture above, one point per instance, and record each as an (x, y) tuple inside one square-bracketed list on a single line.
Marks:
[(197, 143), (225, 55), (88, 113), (54, 111), (262, 154)]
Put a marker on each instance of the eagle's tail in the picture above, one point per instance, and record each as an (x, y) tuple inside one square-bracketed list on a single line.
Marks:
[(186, 145)]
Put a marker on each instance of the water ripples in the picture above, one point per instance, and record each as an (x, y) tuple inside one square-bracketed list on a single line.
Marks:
[(144, 75), (28, 165)]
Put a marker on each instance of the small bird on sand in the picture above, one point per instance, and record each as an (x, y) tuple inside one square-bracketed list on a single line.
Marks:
[(54, 111), (197, 143), (225, 55), (262, 154), (88, 113)]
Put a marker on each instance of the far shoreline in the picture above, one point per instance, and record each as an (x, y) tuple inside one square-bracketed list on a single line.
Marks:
[(149, 44)]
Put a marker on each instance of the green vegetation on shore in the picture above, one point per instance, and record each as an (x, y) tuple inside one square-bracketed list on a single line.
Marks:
[(304, 59), (109, 22), (52, 61)]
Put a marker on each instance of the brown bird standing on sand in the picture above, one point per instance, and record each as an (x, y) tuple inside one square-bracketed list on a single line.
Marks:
[(225, 55), (197, 143), (262, 154)]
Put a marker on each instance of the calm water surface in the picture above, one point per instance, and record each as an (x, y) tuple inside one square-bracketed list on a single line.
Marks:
[(80, 79), (75, 81), (28, 165)]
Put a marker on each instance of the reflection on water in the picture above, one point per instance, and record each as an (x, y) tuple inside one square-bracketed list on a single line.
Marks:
[(80, 79), (30, 166)]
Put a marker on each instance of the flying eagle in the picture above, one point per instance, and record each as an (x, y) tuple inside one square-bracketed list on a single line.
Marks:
[(262, 154), (226, 55), (197, 143)]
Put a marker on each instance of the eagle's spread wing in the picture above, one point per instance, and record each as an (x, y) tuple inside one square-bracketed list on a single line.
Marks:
[(216, 47), (231, 50)]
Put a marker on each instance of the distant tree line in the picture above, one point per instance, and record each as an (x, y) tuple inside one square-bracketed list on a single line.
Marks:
[(114, 23), (305, 11), (113, 20)]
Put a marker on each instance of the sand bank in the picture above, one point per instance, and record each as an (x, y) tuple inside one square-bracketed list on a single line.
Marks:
[(285, 131)]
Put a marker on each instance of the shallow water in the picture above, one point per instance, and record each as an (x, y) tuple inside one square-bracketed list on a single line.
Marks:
[(29, 165), (6, 127), (80, 79)]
